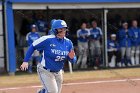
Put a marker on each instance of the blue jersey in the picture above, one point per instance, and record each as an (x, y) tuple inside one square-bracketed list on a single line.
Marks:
[(31, 37), (95, 33), (135, 36), (124, 38), (82, 35), (55, 51), (41, 25), (111, 44)]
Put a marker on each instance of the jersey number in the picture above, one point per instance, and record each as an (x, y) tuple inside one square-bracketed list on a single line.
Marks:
[(59, 58)]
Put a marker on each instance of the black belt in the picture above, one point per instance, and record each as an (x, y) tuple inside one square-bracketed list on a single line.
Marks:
[(50, 70)]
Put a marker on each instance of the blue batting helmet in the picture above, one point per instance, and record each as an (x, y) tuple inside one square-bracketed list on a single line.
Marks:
[(58, 24), (52, 21)]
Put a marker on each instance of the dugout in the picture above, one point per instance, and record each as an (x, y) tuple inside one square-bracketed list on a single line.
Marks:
[(101, 9), (24, 18)]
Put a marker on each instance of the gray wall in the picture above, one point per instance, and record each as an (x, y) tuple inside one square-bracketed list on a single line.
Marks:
[(1, 43)]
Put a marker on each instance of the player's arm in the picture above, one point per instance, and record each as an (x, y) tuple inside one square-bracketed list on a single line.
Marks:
[(101, 33), (88, 34), (36, 45), (71, 55), (29, 52), (78, 34), (28, 40)]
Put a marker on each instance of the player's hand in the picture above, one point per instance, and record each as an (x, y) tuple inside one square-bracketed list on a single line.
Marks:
[(71, 54), (24, 66)]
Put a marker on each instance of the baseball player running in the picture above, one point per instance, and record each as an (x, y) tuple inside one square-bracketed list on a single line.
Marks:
[(56, 50), (82, 35)]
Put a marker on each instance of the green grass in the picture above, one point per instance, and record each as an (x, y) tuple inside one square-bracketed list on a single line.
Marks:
[(104, 74), (26, 79)]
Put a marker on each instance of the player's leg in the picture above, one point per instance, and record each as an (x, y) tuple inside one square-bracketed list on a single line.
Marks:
[(92, 52), (110, 54), (59, 80), (123, 51), (84, 57), (137, 55), (47, 79), (128, 56), (118, 58), (42, 90), (97, 53), (80, 54), (132, 55)]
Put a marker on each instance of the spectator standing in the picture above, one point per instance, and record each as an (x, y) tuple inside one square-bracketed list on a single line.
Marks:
[(135, 42), (95, 44), (124, 37), (82, 35)]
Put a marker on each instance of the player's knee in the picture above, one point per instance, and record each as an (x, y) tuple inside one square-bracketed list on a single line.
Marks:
[(132, 52), (53, 91), (137, 53)]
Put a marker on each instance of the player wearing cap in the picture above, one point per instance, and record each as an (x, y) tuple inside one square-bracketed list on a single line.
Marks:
[(113, 50), (124, 37)]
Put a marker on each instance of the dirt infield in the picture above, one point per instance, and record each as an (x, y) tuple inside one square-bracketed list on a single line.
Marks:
[(102, 86), (103, 81), (110, 87)]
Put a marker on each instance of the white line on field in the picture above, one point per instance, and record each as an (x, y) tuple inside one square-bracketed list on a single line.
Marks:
[(98, 82), (80, 83)]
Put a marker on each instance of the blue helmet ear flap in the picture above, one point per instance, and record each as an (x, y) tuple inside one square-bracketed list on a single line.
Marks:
[(55, 31), (52, 21)]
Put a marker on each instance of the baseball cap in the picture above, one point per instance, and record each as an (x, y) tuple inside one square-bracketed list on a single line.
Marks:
[(125, 23), (113, 35), (33, 26)]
